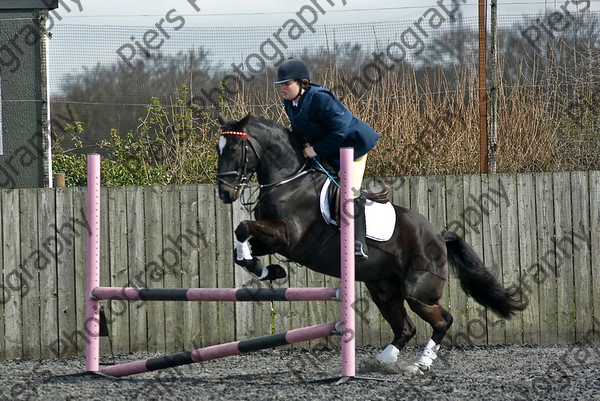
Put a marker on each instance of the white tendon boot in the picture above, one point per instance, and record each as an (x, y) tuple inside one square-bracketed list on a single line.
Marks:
[(427, 357), (244, 254), (389, 355), (243, 250)]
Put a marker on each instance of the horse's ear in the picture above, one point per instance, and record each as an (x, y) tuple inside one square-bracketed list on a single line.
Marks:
[(235, 125), (244, 121)]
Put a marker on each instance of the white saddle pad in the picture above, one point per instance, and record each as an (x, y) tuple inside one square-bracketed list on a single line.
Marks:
[(380, 217)]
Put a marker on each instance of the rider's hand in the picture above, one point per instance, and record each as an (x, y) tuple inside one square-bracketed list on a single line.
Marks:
[(309, 152)]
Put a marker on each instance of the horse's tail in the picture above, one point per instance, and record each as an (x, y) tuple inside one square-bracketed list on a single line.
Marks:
[(477, 281)]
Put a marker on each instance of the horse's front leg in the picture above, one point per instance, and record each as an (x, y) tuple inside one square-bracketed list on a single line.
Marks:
[(256, 238)]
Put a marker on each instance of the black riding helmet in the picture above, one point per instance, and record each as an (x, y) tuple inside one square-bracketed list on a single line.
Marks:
[(292, 70)]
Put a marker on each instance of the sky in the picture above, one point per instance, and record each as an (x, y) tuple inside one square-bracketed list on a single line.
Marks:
[(275, 12), (91, 32)]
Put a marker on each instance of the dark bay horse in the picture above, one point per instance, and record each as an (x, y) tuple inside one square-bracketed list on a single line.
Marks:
[(412, 266)]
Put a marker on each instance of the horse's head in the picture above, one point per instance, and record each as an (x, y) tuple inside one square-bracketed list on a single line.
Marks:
[(255, 145), (238, 158)]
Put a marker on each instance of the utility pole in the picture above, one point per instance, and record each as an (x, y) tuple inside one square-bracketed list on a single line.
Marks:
[(483, 138), (494, 84)]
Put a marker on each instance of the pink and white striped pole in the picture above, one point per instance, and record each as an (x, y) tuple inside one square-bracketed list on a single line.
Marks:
[(92, 321), (347, 263)]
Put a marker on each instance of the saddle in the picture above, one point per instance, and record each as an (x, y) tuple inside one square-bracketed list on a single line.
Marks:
[(378, 194), (380, 215)]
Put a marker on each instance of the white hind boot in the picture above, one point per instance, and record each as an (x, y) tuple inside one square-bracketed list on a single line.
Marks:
[(427, 357)]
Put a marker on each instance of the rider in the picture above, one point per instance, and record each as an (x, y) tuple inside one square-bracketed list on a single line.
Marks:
[(322, 120)]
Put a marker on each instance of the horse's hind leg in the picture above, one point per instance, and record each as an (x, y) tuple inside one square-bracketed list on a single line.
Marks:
[(391, 305), (440, 320)]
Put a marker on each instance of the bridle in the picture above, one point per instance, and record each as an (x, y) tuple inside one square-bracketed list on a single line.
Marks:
[(242, 174)]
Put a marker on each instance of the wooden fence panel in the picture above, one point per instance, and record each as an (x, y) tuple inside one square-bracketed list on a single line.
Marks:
[(541, 231), (546, 266), (117, 258), (488, 207), (138, 324), (299, 310), (170, 259), (367, 318), (281, 310), (29, 271), (6, 291), (154, 278), (208, 258), (190, 245), (477, 329), (458, 298), (579, 244), (319, 311), (527, 246), (262, 310), (332, 311), (13, 328), (509, 228), (563, 255), (64, 245), (48, 274), (224, 270), (594, 188)]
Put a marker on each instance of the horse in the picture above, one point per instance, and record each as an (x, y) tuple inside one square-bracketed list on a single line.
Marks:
[(411, 266)]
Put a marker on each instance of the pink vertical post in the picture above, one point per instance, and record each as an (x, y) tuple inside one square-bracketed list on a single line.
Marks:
[(347, 262), (92, 321)]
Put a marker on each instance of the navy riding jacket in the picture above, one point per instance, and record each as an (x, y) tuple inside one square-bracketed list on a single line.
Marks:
[(322, 120)]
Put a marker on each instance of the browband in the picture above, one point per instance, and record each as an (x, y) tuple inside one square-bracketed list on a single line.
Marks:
[(238, 133)]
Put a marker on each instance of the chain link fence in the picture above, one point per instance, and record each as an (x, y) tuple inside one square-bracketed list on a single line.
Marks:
[(414, 80)]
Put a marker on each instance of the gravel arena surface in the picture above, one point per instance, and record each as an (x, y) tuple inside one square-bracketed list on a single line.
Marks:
[(515, 372)]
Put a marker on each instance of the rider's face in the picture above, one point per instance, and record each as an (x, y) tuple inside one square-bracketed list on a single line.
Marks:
[(290, 90)]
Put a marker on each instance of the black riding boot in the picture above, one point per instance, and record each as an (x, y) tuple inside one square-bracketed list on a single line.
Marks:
[(360, 230)]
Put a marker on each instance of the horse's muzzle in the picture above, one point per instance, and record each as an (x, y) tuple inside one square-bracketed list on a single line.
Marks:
[(227, 194)]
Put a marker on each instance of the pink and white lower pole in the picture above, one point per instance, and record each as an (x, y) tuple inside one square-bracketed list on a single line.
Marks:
[(92, 321), (347, 263)]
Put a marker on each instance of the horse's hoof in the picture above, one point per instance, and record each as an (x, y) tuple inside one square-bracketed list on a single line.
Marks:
[(417, 368), (242, 231), (275, 272), (386, 368)]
